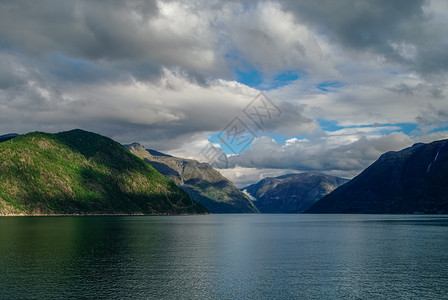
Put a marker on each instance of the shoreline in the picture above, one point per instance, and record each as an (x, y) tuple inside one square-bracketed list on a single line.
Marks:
[(98, 215)]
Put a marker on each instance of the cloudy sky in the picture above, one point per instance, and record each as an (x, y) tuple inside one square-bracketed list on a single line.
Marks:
[(347, 80)]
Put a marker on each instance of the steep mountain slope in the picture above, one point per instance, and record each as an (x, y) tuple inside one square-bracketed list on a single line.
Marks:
[(82, 172), (414, 180), (7, 137), (293, 193), (203, 183)]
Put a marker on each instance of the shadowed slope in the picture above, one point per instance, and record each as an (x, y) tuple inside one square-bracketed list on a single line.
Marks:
[(203, 183), (414, 180)]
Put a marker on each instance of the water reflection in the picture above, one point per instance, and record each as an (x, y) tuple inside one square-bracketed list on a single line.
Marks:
[(224, 256)]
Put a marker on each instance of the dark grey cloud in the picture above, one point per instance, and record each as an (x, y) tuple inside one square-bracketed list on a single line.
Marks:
[(84, 40), (401, 31), (290, 120), (135, 37), (82, 29), (363, 24)]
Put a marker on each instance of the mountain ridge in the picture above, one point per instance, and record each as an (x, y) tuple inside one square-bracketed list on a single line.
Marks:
[(412, 180), (292, 193), (203, 183)]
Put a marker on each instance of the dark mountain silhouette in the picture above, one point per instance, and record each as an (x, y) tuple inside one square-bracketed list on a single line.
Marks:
[(413, 180)]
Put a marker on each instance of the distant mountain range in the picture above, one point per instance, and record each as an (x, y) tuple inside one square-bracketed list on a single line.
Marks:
[(414, 180), (293, 193), (203, 183), (79, 172)]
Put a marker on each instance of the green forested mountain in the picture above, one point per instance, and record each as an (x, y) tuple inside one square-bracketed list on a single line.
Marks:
[(82, 172)]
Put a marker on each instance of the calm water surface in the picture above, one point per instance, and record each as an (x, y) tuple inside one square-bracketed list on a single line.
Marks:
[(225, 257)]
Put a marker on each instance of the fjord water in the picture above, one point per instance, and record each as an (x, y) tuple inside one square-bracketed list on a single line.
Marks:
[(225, 257)]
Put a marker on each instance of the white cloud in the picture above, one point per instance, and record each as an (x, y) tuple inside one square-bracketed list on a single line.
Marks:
[(243, 177), (388, 99), (271, 40), (347, 154), (163, 73)]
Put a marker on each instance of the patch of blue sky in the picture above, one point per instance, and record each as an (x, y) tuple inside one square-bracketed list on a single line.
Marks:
[(329, 86), (257, 79), (229, 147), (406, 128), (251, 77), (214, 138), (329, 125), (285, 78), (439, 129)]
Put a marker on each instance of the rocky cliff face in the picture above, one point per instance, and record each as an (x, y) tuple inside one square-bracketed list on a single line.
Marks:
[(414, 180), (203, 183), (292, 193)]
